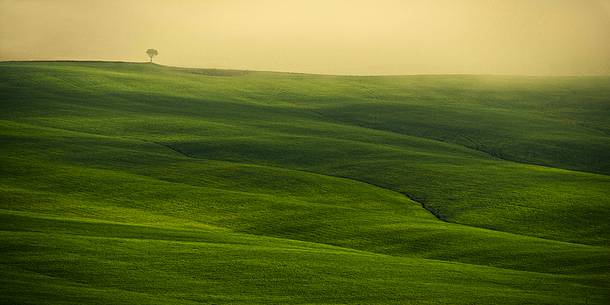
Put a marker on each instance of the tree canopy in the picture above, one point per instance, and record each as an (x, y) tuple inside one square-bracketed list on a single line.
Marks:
[(152, 53)]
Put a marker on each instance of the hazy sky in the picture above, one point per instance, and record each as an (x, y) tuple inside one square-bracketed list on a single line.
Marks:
[(321, 36)]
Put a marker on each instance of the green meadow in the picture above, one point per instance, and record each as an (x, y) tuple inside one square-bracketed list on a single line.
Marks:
[(125, 183)]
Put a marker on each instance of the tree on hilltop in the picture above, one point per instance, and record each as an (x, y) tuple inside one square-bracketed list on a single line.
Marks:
[(152, 53)]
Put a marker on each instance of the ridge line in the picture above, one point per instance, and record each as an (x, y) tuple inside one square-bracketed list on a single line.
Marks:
[(493, 156)]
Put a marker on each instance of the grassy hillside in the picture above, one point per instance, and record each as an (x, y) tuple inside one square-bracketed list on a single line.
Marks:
[(135, 183)]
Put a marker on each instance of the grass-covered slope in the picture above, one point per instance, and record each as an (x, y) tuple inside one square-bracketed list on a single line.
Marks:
[(134, 183)]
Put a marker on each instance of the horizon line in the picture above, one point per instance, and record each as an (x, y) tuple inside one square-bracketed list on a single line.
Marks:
[(295, 72)]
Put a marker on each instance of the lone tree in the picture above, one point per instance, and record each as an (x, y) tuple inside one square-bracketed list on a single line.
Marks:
[(152, 53)]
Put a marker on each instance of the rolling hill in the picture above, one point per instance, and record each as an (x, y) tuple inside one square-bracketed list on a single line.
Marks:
[(126, 183)]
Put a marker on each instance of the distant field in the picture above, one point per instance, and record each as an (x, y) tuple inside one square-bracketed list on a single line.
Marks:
[(124, 183)]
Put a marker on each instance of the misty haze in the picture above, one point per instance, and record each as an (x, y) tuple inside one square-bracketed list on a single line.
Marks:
[(305, 152)]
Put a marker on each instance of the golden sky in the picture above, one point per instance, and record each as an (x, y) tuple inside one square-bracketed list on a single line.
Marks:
[(319, 36)]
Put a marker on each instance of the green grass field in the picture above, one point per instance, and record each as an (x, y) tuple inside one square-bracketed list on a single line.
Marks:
[(124, 183)]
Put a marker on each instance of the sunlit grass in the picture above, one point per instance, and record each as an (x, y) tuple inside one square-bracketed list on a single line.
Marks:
[(134, 183)]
